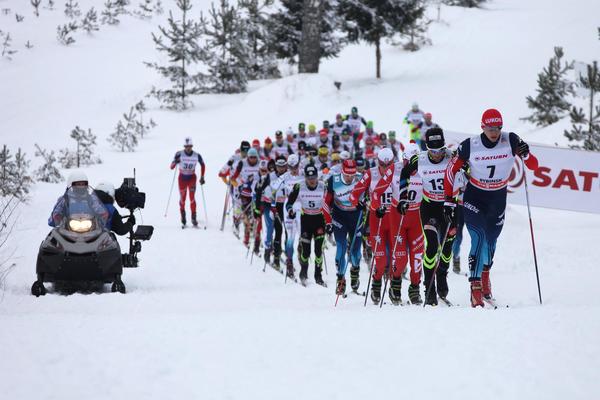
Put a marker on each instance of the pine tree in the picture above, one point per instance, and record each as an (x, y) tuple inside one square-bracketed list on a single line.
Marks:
[(145, 9), (255, 20), (226, 51), (586, 128), (141, 127), (64, 33), (36, 7), (50, 5), (84, 153), (72, 9), (286, 28), (7, 52), (14, 176), (416, 32), (550, 104), (376, 20), (158, 8), (464, 3), (184, 51), (121, 6), (124, 137), (90, 21), (110, 13), (47, 172)]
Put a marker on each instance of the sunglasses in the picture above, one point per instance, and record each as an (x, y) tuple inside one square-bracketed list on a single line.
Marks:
[(493, 128), (437, 151)]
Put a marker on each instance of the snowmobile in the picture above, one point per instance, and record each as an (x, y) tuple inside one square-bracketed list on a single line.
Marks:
[(79, 249)]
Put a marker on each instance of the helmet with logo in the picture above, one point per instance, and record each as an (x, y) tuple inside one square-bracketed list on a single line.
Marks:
[(434, 138), (491, 118), (349, 167)]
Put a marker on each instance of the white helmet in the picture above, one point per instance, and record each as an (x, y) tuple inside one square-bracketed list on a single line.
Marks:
[(77, 176), (415, 106), (344, 155), (411, 150), (293, 160), (289, 131), (188, 142), (385, 155), (107, 188)]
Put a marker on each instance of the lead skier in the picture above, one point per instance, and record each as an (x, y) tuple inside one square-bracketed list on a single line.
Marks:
[(490, 157), (187, 161), (342, 218)]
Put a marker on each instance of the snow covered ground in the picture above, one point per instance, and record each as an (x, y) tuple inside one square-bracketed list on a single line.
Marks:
[(199, 321)]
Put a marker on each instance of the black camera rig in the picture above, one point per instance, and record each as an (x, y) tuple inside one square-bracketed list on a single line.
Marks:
[(128, 196)]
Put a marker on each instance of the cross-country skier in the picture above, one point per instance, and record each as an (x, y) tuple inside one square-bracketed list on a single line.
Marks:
[(414, 119), (280, 147), (424, 126), (342, 218), (439, 234), (411, 231), (490, 157), (245, 171), (311, 193), (187, 161), (273, 196), (396, 146), (285, 186), (382, 224), (355, 121), (339, 125)]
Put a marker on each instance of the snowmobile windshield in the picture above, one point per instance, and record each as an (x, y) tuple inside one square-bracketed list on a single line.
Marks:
[(80, 203)]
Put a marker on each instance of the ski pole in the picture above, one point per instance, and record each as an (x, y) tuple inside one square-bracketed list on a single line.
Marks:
[(204, 203), (393, 260), (171, 192), (537, 275), (358, 227), (225, 206), (437, 264), (372, 262)]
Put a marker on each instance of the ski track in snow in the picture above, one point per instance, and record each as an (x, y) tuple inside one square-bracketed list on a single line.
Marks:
[(199, 322)]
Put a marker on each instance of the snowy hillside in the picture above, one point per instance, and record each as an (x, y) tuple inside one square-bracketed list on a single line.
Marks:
[(199, 322)]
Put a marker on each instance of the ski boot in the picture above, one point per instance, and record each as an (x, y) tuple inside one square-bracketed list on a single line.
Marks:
[(319, 276), (354, 278), (476, 294), (486, 284), (340, 287), (256, 249), (194, 220), (456, 265), (376, 291), (289, 268), (441, 278), (395, 291), (183, 219), (414, 294), (430, 290), (303, 273), (268, 256), (276, 263)]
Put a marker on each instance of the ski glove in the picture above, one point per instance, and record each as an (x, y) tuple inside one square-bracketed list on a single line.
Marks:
[(329, 229), (291, 213), (202, 181), (402, 206), (449, 211), (522, 149), (360, 206), (380, 212), (256, 211)]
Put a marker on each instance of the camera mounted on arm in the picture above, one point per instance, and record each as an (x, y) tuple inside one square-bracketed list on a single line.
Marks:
[(129, 196)]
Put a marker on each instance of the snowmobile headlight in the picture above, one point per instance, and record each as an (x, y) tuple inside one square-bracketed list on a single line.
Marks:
[(80, 225)]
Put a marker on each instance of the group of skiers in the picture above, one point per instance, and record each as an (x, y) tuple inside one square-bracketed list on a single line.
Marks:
[(361, 189)]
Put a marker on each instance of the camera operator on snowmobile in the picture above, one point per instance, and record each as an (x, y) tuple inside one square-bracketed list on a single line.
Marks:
[(106, 193), (77, 186)]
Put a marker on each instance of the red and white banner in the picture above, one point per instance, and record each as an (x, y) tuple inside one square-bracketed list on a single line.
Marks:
[(566, 179)]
